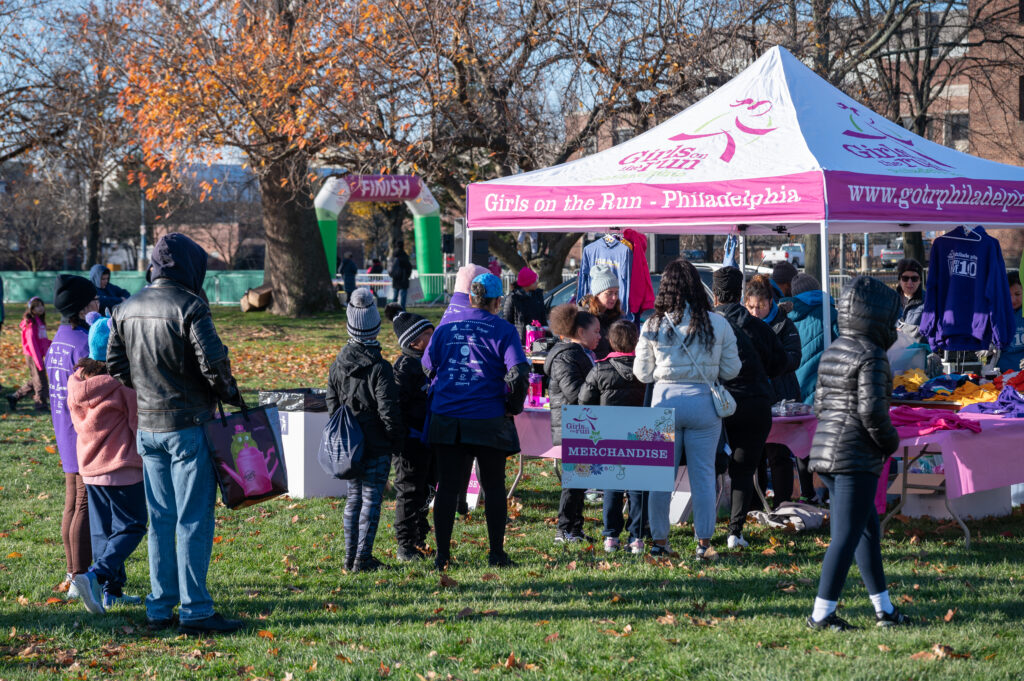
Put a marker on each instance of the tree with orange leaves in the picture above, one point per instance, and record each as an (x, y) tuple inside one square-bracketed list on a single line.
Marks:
[(264, 77)]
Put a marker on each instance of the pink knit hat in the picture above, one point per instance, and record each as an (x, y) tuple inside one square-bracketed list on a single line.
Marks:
[(466, 275), (526, 277)]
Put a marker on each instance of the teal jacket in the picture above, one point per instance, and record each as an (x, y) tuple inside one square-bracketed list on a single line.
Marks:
[(806, 315)]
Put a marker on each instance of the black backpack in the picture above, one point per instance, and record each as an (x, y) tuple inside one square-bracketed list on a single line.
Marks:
[(341, 445)]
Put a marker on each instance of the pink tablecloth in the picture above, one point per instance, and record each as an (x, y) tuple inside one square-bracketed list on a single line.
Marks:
[(974, 462)]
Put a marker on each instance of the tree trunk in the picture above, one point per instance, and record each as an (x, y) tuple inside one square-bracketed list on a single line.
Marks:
[(913, 246), (549, 268), (395, 215), (92, 227), (812, 254), (709, 248), (295, 264)]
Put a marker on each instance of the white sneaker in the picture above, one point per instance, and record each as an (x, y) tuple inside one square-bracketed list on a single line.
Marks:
[(636, 547), (737, 541), (72, 588), (91, 592), (611, 544)]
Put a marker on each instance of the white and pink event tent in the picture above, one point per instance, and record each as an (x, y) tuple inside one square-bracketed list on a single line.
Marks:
[(775, 150)]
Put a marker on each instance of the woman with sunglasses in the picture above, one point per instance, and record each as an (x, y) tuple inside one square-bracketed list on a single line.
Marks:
[(911, 289)]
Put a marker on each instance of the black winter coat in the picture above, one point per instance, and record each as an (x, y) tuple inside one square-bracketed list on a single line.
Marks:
[(400, 270), (567, 365), (787, 386), (855, 433), (611, 383), (762, 356), (523, 307), (412, 394), (361, 378)]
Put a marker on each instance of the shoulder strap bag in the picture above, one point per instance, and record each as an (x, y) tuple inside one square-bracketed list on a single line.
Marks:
[(725, 403)]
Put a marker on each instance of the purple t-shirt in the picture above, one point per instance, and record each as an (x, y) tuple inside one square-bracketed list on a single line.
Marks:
[(457, 308), (471, 355), (69, 345)]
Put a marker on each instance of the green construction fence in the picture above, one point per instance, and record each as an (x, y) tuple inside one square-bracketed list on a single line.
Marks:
[(223, 287)]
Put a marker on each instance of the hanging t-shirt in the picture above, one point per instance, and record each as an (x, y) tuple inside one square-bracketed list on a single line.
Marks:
[(613, 253), (471, 356), (967, 300)]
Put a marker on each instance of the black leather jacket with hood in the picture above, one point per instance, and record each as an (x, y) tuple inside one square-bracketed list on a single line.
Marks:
[(164, 345)]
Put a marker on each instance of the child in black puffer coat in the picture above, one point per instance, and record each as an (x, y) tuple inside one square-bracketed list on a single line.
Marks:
[(567, 366), (611, 383), (414, 468)]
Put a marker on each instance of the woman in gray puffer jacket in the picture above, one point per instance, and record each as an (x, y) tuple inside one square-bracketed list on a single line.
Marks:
[(854, 437)]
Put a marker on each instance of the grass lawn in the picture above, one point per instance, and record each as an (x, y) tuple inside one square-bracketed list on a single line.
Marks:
[(561, 614)]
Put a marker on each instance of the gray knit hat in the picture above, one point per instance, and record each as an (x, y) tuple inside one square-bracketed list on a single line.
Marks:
[(802, 283), (362, 317), (602, 278)]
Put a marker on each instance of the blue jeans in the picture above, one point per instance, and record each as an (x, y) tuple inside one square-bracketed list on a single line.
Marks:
[(698, 429), (117, 521), (855, 534), (399, 295), (180, 490), (613, 518), (362, 507)]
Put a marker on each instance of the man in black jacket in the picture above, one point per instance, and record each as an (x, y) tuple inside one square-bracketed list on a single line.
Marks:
[(164, 345), (400, 270)]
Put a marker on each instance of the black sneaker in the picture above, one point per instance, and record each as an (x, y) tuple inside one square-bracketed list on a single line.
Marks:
[(369, 564), (441, 562), (832, 623), (214, 624), (160, 625), (350, 562), (661, 550), (408, 555), (561, 537), (892, 619), (500, 560)]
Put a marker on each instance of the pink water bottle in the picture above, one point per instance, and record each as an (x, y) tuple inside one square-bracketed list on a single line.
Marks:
[(536, 389), (534, 332)]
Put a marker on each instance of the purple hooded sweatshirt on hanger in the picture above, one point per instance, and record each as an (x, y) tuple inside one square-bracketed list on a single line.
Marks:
[(70, 344)]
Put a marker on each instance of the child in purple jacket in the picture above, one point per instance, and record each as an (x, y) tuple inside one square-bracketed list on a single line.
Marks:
[(74, 298)]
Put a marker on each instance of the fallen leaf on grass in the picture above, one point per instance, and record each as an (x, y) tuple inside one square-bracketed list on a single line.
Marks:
[(343, 658), (447, 582), (766, 552), (551, 637), (511, 662), (14, 554), (616, 598), (50, 449), (530, 593), (384, 670), (787, 587), (667, 618), (571, 565), (273, 652), (22, 600), (465, 612), (906, 599), (830, 652), (488, 613), (488, 576), (263, 633), (937, 652), (53, 600), (821, 542), (218, 539), (884, 648), (950, 614), (330, 607)]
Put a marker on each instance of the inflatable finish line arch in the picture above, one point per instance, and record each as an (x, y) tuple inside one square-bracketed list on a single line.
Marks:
[(426, 217)]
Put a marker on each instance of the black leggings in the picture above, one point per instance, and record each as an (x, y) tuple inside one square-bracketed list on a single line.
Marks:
[(747, 430), (855, 535), (454, 463)]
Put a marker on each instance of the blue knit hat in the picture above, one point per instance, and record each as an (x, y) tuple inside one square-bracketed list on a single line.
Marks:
[(99, 335)]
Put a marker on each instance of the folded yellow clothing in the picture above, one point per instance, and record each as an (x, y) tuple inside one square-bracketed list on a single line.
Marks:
[(912, 380)]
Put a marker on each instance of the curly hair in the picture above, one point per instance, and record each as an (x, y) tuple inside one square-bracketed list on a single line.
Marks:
[(681, 288), (759, 286), (566, 319), (91, 367)]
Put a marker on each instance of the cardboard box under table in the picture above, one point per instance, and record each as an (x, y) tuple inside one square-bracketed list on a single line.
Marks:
[(303, 415)]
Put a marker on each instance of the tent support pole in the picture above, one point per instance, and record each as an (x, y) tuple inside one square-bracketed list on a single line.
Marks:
[(743, 265), (826, 300)]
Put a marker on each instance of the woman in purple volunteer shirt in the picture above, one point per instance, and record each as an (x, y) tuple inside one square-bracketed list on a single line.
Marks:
[(480, 378), (74, 297)]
